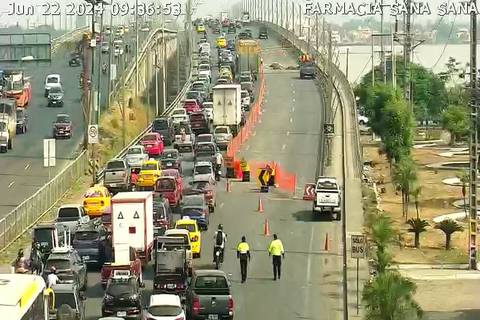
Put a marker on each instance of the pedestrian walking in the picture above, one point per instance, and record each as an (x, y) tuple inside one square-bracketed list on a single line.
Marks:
[(275, 249), (243, 253)]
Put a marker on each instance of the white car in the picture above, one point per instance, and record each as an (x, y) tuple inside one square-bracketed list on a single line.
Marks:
[(165, 307), (362, 120), (178, 118), (245, 99), (50, 81), (208, 107), (5, 143), (203, 171), (135, 156), (179, 111), (204, 69)]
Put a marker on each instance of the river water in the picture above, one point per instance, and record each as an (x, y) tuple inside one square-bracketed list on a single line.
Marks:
[(431, 56)]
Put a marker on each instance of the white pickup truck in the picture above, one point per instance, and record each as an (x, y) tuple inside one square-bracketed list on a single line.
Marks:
[(327, 197)]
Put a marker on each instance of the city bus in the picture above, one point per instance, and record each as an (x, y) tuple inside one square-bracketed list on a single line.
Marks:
[(24, 297)]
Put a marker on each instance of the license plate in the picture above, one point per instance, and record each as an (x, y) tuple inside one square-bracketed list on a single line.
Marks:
[(113, 185), (169, 164), (86, 257), (149, 146), (171, 286), (213, 317), (60, 131), (121, 313)]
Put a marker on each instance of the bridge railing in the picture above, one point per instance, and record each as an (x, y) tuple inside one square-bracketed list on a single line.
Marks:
[(339, 80), (18, 221), (71, 35)]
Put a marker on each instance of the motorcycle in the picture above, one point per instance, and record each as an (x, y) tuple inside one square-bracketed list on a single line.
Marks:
[(218, 257), (104, 68), (218, 172)]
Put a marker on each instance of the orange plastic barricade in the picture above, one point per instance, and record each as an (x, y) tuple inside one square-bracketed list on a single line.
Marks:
[(237, 169), (309, 192)]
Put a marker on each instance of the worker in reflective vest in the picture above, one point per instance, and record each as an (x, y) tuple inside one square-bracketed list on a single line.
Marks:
[(275, 249), (243, 253)]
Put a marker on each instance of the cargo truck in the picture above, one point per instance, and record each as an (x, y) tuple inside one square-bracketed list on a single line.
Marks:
[(248, 56), (132, 222), (8, 123), (227, 106)]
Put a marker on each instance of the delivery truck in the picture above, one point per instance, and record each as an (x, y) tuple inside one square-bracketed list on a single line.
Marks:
[(227, 106), (248, 56), (132, 222)]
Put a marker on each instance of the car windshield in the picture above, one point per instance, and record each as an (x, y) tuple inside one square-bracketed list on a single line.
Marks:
[(204, 138), (206, 282), (205, 149), (193, 201), (165, 311), (94, 194), (178, 112), (56, 90), (63, 119), (190, 227), (86, 235), (166, 184), (120, 289), (149, 166), (59, 264), (3, 127), (192, 95), (199, 185), (115, 165), (160, 124), (308, 65), (68, 214), (244, 78), (203, 169), (150, 137), (135, 150), (197, 117), (67, 298), (204, 67), (170, 154), (52, 80), (42, 236), (221, 130)]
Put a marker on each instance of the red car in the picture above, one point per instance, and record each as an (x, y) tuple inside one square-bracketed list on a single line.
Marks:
[(191, 106), (167, 186), (153, 143), (176, 174)]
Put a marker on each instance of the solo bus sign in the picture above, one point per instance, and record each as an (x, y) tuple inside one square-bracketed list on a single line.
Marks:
[(358, 246)]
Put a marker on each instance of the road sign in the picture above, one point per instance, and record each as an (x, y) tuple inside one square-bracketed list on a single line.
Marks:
[(136, 215), (93, 133), (263, 177), (329, 129), (358, 246), (49, 153), (309, 192)]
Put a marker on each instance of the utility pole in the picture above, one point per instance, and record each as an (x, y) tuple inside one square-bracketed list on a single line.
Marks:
[(382, 51), (316, 36), (300, 17), (110, 56), (373, 63), (281, 13), (157, 109), (406, 54), (293, 23), (277, 15), (178, 64), (394, 62), (136, 50), (99, 76), (286, 16), (164, 65), (472, 250), (346, 63)]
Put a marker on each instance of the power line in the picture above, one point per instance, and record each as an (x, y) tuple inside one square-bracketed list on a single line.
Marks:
[(364, 67), (446, 43)]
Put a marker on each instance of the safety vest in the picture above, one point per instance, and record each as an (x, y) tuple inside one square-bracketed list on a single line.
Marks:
[(243, 248), (276, 248), (244, 166)]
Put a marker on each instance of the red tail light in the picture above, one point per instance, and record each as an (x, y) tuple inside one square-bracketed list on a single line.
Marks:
[(196, 305), (194, 238), (230, 304)]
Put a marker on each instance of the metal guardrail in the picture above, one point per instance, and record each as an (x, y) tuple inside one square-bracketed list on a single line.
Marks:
[(31, 210), (66, 37), (340, 82), (135, 140)]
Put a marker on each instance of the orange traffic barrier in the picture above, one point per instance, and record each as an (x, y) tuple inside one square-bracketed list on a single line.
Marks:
[(326, 242), (260, 205), (229, 187), (309, 192), (266, 228)]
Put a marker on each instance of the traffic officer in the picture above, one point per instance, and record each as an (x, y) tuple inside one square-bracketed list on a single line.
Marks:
[(243, 253), (275, 249)]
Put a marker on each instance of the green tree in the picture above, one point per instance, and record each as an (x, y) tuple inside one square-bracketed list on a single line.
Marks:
[(417, 226), (455, 121), (390, 297), (404, 177), (448, 227), (383, 235)]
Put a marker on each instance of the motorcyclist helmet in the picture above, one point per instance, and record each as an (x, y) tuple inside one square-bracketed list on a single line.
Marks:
[(53, 269), (220, 226)]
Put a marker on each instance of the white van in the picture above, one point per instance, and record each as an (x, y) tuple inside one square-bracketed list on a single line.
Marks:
[(50, 81)]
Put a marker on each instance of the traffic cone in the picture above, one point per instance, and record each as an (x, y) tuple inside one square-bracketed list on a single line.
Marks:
[(229, 187), (266, 228), (260, 205), (326, 242)]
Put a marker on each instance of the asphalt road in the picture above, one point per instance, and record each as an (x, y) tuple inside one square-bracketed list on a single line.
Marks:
[(22, 171), (289, 134)]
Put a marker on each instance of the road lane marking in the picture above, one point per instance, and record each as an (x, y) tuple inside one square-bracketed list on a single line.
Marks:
[(254, 133), (27, 167), (293, 109), (309, 269), (247, 147), (293, 91), (11, 184), (221, 205), (284, 146), (288, 133), (291, 120), (293, 99)]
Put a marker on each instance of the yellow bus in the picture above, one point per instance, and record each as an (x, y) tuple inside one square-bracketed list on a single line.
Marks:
[(24, 297)]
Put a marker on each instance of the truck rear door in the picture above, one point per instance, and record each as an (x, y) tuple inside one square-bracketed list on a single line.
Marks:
[(327, 197)]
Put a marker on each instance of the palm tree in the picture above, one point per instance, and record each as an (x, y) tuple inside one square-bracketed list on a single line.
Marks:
[(404, 175), (382, 232), (390, 297), (448, 227), (417, 226), (417, 190)]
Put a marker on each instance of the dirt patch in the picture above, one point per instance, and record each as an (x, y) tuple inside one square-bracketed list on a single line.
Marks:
[(436, 199)]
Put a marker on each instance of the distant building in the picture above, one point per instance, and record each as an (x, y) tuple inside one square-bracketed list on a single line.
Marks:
[(463, 35)]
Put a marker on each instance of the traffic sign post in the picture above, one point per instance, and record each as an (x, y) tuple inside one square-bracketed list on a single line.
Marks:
[(329, 129), (357, 250), (49, 155), (93, 133)]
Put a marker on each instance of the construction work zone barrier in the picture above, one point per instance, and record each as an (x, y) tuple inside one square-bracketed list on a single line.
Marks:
[(309, 192), (284, 180)]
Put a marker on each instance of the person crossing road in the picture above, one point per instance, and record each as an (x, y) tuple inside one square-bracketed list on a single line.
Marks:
[(243, 253), (275, 249)]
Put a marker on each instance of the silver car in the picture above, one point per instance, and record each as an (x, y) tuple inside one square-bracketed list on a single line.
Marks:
[(135, 156)]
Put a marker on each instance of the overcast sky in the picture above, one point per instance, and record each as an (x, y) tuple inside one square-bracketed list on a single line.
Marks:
[(206, 7)]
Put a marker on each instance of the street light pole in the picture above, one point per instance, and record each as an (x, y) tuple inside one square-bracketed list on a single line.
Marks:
[(136, 50), (164, 64)]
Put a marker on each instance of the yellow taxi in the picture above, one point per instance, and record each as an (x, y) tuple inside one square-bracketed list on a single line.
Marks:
[(149, 173), (200, 28), (221, 42), (225, 73), (191, 225), (96, 201)]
